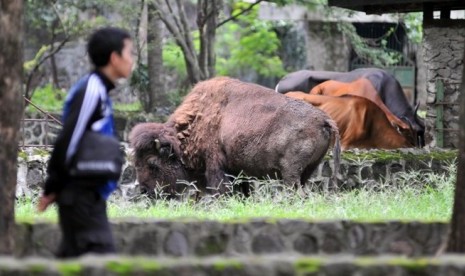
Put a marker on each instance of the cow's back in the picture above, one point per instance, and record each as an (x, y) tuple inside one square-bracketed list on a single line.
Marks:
[(305, 80)]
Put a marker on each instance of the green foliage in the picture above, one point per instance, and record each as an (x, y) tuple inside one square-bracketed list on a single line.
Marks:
[(53, 20), (47, 98), (51, 24), (176, 97), (248, 43), (379, 55), (28, 65), (417, 266), (140, 77), (70, 269), (23, 155), (173, 58), (120, 267), (221, 265), (37, 268), (414, 23), (173, 61), (305, 266)]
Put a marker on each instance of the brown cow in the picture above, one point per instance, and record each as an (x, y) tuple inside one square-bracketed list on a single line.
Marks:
[(225, 126), (385, 84), (361, 123), (362, 87)]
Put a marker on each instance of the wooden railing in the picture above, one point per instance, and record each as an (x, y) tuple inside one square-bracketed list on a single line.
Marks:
[(48, 118)]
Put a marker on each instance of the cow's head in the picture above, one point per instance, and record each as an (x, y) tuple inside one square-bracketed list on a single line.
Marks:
[(417, 127), (157, 158)]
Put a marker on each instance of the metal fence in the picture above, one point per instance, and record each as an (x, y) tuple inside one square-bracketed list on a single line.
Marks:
[(440, 105), (46, 120)]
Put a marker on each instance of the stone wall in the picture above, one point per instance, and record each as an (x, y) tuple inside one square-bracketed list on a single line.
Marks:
[(254, 237), (443, 50), (39, 133), (327, 48), (38, 130), (278, 265), (358, 169)]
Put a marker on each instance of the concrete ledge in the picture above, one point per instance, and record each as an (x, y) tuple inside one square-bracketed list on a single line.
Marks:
[(251, 237), (253, 266)]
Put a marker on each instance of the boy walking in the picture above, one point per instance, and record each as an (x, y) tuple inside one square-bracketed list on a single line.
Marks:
[(82, 203)]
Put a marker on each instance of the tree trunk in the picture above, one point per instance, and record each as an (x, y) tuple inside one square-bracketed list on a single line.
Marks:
[(175, 20), (456, 241), (11, 57), (212, 22), (157, 93), (52, 58), (207, 20)]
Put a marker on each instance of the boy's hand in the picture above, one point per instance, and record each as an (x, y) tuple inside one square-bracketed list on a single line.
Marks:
[(45, 201)]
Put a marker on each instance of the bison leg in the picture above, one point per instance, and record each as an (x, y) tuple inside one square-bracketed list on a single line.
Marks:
[(307, 173), (216, 180), (293, 179)]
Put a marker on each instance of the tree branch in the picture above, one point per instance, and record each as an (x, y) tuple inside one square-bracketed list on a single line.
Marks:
[(137, 32), (239, 14), (36, 67), (176, 32), (175, 19), (178, 37), (187, 33)]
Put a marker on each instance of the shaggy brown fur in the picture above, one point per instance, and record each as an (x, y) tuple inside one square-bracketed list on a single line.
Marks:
[(225, 126)]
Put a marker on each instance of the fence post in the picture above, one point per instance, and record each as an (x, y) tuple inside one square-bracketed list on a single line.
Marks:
[(439, 113)]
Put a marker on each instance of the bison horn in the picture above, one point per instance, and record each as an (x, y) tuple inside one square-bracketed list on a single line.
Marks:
[(157, 144)]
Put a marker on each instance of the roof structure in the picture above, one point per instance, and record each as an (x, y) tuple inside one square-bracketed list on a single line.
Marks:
[(392, 6), (320, 13)]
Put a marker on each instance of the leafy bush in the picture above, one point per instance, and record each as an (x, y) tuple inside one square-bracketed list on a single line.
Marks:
[(248, 43)]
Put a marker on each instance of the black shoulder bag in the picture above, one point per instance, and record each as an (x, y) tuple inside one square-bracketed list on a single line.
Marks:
[(98, 156)]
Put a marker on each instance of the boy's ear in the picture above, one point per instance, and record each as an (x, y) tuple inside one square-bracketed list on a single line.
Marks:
[(114, 56)]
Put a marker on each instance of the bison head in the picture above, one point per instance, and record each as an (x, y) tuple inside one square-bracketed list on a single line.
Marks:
[(157, 156)]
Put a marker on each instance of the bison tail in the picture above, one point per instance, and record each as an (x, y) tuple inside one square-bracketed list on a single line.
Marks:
[(336, 159), (336, 142)]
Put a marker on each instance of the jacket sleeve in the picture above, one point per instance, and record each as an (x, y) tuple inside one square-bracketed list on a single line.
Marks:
[(83, 109)]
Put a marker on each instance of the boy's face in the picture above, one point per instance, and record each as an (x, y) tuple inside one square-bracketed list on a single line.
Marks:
[(123, 63)]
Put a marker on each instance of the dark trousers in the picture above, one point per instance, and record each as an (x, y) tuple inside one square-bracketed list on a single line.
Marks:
[(83, 222)]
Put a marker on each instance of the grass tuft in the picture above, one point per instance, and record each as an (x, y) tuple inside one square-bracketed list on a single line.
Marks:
[(415, 196)]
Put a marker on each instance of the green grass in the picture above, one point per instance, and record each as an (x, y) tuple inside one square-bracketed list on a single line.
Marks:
[(417, 196), (47, 98), (51, 100)]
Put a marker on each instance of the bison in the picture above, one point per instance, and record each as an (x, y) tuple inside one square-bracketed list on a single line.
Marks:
[(227, 127)]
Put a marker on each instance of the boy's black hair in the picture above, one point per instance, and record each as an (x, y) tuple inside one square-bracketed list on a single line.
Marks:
[(105, 41)]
